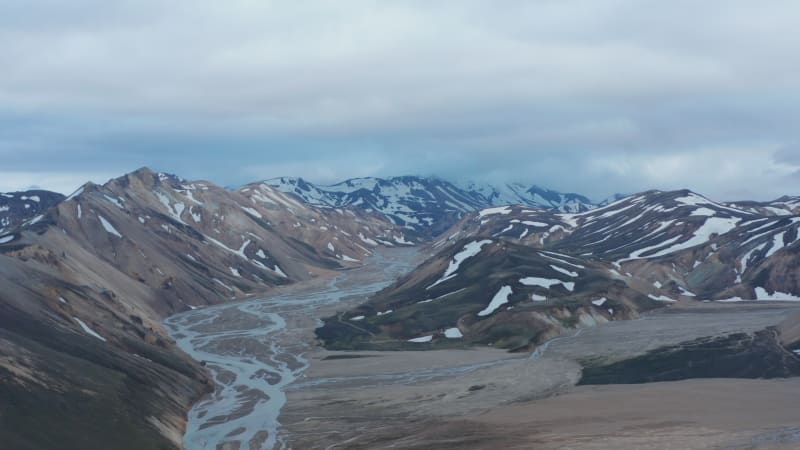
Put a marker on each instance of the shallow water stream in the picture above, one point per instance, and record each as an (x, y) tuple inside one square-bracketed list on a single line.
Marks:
[(255, 349)]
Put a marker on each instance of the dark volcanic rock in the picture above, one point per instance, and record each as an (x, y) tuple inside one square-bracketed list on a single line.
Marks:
[(738, 355)]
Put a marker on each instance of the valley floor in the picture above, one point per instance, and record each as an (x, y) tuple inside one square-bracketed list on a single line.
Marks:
[(692, 414), (276, 388), (491, 399), (254, 349)]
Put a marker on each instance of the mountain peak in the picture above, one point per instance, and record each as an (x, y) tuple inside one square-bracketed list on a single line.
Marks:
[(143, 171), (148, 176)]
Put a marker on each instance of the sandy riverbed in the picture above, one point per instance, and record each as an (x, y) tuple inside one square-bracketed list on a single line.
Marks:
[(277, 388), (490, 399)]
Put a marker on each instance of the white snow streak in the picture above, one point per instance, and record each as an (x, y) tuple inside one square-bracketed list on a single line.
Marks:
[(469, 250), (108, 227), (504, 210), (453, 333), (599, 302), (564, 271), (88, 330), (499, 299)]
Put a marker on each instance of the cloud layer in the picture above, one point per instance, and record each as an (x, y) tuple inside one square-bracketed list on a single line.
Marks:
[(595, 96)]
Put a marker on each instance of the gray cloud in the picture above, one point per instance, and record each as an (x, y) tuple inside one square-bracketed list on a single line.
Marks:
[(789, 154), (595, 96)]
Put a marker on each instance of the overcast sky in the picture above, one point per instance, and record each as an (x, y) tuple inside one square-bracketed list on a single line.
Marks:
[(595, 96)]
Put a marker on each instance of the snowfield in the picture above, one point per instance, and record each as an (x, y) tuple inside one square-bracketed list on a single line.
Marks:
[(762, 294), (252, 212), (108, 227), (504, 210), (453, 333), (500, 299), (713, 225), (661, 298), (564, 271), (470, 250), (777, 244)]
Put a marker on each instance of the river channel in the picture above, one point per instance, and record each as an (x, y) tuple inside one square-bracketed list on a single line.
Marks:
[(254, 349)]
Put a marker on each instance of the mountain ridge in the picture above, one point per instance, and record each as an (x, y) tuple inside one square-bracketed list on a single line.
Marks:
[(513, 277), (425, 204), (86, 283)]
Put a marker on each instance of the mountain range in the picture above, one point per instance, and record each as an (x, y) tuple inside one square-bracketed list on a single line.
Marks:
[(85, 284), (86, 280), (426, 205), (514, 277)]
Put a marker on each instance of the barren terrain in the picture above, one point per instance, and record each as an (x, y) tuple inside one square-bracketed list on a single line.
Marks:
[(277, 388), (491, 399)]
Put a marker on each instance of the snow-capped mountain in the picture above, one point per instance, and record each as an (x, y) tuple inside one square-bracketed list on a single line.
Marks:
[(534, 196), (17, 207), (706, 247), (85, 284), (85, 281), (194, 242), (426, 205), (512, 276)]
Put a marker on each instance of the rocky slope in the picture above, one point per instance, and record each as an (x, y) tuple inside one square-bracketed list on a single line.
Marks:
[(513, 276), (679, 241), (85, 284), (426, 205), (17, 207), (491, 292)]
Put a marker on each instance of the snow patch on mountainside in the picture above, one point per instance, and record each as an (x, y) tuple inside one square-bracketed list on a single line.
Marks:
[(564, 271), (470, 250), (504, 210), (499, 299), (252, 212), (453, 333), (89, 330), (762, 294), (714, 225), (108, 227), (777, 244)]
